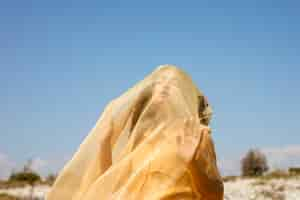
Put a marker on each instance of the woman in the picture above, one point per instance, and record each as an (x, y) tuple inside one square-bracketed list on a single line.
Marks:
[(153, 142)]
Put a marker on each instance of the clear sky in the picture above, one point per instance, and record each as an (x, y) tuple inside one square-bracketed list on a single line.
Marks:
[(61, 62)]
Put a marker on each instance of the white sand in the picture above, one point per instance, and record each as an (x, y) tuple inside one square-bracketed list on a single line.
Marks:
[(241, 189)]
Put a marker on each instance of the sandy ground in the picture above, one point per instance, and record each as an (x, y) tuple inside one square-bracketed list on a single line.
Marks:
[(258, 189), (24, 192), (240, 189)]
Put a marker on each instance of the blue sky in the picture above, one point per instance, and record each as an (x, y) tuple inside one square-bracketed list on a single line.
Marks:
[(61, 62)]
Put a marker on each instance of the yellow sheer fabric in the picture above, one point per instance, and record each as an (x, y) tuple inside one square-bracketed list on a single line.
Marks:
[(144, 124)]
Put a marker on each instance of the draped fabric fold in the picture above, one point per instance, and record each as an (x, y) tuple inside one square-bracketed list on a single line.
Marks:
[(143, 126)]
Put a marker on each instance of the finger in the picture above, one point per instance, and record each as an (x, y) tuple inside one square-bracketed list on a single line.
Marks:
[(185, 131), (185, 125), (194, 129), (178, 140), (191, 126), (187, 128)]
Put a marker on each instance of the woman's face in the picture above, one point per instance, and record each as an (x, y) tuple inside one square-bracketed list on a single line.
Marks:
[(163, 86), (167, 83)]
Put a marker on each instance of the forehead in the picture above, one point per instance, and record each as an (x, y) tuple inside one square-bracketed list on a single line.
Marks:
[(167, 75), (172, 76)]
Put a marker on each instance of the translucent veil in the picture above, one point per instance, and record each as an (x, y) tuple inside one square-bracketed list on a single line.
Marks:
[(143, 124)]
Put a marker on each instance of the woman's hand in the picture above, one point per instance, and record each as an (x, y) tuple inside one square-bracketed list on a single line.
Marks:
[(189, 139)]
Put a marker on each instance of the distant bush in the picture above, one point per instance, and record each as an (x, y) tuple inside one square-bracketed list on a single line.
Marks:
[(294, 170), (28, 177), (254, 163), (24, 177)]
